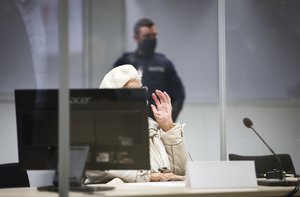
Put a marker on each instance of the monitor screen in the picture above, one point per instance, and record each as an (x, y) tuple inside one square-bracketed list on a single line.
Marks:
[(112, 122)]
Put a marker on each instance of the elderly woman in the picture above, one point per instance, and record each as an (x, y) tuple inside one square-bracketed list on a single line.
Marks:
[(168, 153)]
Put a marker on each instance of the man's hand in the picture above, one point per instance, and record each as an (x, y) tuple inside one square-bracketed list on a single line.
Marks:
[(163, 110)]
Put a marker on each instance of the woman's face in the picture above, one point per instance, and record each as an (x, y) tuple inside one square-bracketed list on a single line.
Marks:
[(133, 83)]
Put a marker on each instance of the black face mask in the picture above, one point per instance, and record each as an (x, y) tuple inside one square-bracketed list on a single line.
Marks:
[(147, 46)]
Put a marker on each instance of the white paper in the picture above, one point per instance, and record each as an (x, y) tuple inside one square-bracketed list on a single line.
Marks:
[(221, 174)]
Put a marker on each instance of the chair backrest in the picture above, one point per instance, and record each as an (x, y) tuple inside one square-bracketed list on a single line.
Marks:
[(12, 176), (265, 163)]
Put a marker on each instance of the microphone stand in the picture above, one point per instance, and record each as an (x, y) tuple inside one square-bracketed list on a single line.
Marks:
[(270, 180), (281, 174)]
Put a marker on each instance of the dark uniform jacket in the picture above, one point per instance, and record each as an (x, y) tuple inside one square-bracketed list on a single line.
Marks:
[(157, 73)]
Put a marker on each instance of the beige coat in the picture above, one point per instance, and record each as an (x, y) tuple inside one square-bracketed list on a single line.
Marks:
[(167, 149)]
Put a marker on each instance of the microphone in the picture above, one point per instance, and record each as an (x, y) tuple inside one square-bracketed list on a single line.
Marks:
[(248, 123)]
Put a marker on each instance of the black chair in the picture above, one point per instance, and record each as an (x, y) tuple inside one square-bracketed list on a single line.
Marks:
[(12, 176), (267, 163)]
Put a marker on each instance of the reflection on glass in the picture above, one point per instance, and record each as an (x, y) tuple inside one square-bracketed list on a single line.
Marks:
[(34, 25), (29, 44), (263, 47)]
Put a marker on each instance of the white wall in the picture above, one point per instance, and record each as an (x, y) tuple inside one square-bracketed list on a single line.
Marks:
[(277, 123), (8, 133)]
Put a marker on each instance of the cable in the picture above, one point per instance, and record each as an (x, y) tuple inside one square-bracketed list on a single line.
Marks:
[(190, 156), (295, 190)]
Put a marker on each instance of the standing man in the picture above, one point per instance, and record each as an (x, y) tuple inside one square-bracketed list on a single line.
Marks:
[(156, 70)]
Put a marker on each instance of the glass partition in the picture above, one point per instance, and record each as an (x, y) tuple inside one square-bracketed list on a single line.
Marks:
[(27, 53), (29, 60), (263, 47), (188, 36), (262, 64)]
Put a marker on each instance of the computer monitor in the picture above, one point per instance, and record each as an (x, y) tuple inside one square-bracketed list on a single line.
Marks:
[(112, 122)]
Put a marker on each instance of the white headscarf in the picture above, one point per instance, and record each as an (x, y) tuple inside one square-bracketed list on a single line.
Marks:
[(119, 76)]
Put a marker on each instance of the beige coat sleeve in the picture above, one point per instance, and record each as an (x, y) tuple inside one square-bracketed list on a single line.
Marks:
[(176, 149), (96, 176)]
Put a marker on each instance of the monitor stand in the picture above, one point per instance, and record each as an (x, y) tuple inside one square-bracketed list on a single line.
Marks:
[(78, 157)]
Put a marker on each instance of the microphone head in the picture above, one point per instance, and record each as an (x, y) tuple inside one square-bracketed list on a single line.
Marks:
[(247, 122)]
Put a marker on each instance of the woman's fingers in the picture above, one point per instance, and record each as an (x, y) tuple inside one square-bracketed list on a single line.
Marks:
[(157, 102), (162, 96), (168, 97), (154, 109)]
